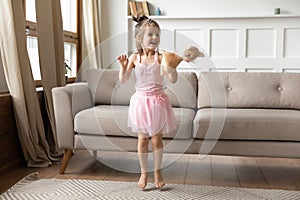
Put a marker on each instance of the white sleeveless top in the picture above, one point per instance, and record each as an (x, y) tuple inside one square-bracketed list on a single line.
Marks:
[(148, 77)]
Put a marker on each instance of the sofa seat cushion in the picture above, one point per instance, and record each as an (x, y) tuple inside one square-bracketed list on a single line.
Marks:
[(112, 121), (247, 124), (184, 123)]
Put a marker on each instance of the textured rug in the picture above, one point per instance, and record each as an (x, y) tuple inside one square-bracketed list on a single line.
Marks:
[(31, 187)]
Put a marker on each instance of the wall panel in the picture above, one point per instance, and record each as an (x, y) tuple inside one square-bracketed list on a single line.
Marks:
[(291, 43), (261, 43)]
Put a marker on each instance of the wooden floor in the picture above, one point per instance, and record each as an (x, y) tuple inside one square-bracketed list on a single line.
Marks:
[(251, 172)]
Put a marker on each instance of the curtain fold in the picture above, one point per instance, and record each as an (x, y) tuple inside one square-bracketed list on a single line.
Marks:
[(91, 37), (21, 85), (51, 55)]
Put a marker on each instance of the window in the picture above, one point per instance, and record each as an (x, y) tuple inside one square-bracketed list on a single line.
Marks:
[(70, 14)]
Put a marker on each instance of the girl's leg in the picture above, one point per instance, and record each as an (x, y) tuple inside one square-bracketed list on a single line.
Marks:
[(143, 141), (157, 154)]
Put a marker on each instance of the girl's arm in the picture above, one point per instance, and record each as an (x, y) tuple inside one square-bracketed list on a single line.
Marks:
[(126, 67), (173, 76)]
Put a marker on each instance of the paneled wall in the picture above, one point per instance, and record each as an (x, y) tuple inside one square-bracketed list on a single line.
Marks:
[(236, 43), (11, 156)]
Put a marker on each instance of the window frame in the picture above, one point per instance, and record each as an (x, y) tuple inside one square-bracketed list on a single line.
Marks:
[(69, 37)]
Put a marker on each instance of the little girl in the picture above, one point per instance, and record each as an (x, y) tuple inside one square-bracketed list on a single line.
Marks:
[(150, 112)]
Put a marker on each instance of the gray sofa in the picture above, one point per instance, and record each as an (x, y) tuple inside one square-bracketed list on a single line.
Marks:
[(226, 113)]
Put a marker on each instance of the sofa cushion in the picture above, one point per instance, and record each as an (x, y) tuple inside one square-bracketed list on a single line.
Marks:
[(107, 89), (183, 93), (112, 121), (242, 90), (184, 122), (103, 119), (247, 124)]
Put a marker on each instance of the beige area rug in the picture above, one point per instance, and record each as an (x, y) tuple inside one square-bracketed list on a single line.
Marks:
[(31, 187)]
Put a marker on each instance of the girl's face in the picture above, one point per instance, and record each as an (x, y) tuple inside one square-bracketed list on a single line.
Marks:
[(151, 38)]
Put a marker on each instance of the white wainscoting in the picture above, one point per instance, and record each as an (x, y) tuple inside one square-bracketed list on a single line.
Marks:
[(234, 43)]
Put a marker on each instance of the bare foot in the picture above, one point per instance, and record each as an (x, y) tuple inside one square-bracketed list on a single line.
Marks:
[(143, 181), (159, 181)]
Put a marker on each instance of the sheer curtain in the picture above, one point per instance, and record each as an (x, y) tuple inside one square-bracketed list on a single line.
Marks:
[(91, 37), (21, 85)]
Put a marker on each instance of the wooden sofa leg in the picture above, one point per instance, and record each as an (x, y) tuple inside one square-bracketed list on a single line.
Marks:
[(67, 155)]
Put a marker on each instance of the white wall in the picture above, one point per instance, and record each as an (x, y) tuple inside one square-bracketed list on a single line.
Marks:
[(113, 14), (225, 7), (209, 22)]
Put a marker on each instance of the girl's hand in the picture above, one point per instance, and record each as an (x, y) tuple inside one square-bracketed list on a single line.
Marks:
[(123, 60), (126, 67)]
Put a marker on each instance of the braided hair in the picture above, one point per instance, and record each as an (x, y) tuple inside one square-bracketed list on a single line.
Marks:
[(142, 22)]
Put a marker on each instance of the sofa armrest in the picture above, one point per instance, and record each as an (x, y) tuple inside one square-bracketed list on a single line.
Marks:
[(67, 101)]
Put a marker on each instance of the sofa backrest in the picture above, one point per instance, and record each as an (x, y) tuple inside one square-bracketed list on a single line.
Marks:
[(183, 93), (242, 90), (107, 89)]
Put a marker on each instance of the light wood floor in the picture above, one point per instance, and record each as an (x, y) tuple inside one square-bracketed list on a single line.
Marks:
[(251, 172)]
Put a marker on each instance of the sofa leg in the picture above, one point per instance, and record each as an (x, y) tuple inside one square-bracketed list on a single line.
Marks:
[(67, 155)]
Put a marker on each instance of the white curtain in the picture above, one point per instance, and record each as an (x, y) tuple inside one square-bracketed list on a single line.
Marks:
[(51, 55), (91, 36), (21, 85)]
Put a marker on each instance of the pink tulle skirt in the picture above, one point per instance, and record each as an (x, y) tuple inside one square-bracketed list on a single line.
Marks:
[(151, 113)]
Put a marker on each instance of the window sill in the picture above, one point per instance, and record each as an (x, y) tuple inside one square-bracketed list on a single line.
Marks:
[(38, 83), (39, 87), (4, 94)]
